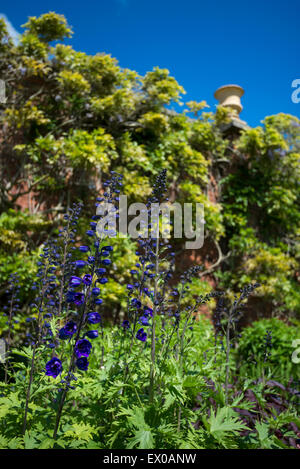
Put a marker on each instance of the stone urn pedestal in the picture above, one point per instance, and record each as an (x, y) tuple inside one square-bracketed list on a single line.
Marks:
[(229, 96)]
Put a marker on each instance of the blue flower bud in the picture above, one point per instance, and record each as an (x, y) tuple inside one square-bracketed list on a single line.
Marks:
[(92, 334)]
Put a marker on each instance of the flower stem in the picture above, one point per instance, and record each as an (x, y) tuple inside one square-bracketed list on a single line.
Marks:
[(151, 389)]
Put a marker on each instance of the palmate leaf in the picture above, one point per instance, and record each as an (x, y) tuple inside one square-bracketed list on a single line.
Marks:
[(135, 417), (267, 440), (94, 445), (224, 424), (10, 404), (4, 410), (243, 404), (41, 389), (3, 442), (142, 439), (15, 443), (193, 440), (174, 393), (77, 444), (54, 325), (262, 430), (81, 431), (47, 443), (169, 400), (283, 419), (111, 438), (263, 435), (30, 441), (25, 352)]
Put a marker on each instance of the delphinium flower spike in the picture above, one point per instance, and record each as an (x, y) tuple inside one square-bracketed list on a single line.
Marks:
[(147, 272), (84, 292), (268, 344), (232, 316), (267, 352), (143, 300), (10, 309), (54, 268), (35, 338), (217, 322)]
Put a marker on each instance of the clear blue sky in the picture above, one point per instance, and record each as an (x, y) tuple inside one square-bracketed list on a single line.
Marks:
[(255, 44)]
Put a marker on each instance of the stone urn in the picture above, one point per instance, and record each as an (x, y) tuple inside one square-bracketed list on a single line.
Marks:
[(230, 96)]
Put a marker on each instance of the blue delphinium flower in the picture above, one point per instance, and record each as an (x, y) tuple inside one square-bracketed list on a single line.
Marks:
[(70, 296), (126, 324), (83, 348), (92, 334), (87, 279), (144, 321), (106, 261), (148, 311), (53, 367), (54, 278), (75, 281), (103, 280), (268, 344), (80, 263), (134, 272), (82, 363), (84, 248), (62, 334), (135, 302), (108, 248), (68, 330), (100, 271), (78, 299), (141, 335), (93, 318)]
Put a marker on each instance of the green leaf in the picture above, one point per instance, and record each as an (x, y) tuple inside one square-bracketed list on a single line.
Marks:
[(47, 443), (143, 439), (224, 423), (263, 431), (81, 431), (29, 441)]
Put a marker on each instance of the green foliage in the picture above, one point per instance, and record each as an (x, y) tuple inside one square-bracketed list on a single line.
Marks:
[(261, 211), (49, 27), (251, 349), (223, 426), (18, 232), (104, 411)]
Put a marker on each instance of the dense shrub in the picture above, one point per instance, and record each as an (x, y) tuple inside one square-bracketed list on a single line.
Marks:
[(251, 350)]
